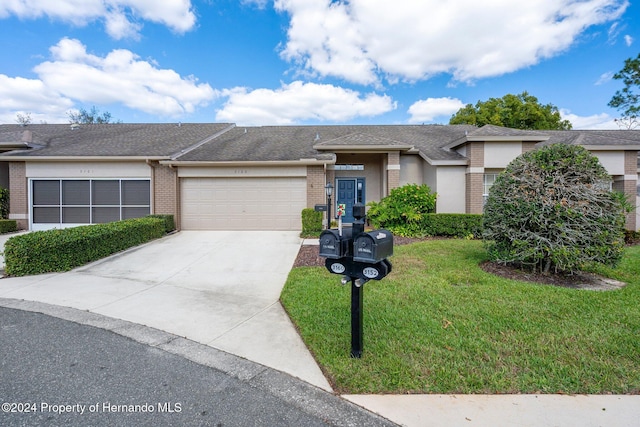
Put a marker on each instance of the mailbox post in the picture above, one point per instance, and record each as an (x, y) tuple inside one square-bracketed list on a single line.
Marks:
[(359, 257)]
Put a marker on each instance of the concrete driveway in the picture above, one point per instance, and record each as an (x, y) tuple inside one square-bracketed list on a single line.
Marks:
[(215, 287)]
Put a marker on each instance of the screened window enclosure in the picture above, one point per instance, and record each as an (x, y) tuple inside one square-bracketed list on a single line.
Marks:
[(66, 202)]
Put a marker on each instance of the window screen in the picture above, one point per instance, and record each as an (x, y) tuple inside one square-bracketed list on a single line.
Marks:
[(135, 193), (106, 192), (75, 193), (85, 201), (46, 192)]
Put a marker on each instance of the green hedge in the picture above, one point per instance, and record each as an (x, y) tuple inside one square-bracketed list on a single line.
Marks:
[(4, 203), (8, 226), (64, 249), (453, 225), (449, 225), (169, 222), (311, 223)]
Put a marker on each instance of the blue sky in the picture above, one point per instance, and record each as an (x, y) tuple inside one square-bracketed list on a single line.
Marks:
[(278, 62)]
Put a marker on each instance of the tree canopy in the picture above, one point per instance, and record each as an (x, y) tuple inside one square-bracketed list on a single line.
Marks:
[(521, 111), (92, 116), (626, 100)]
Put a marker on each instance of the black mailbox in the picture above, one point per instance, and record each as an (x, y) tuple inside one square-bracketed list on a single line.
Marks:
[(334, 246), (373, 247)]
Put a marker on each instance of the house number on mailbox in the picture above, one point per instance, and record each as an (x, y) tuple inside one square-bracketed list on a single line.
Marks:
[(370, 272), (338, 268)]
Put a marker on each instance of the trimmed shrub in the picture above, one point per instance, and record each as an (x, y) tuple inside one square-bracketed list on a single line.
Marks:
[(453, 225), (311, 223), (63, 249), (169, 222), (552, 210), (403, 209), (4, 203), (8, 226)]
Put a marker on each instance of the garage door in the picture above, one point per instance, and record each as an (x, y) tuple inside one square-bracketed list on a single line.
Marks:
[(242, 203)]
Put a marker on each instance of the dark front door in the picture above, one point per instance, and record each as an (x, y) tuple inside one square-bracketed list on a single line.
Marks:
[(347, 196)]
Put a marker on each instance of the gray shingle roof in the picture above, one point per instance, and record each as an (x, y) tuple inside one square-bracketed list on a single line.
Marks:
[(595, 137), (195, 142), (290, 143), (148, 140)]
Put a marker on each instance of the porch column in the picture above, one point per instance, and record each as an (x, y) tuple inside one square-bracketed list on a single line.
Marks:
[(475, 178), (393, 170)]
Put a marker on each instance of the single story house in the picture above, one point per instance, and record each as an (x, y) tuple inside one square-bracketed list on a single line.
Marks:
[(219, 176)]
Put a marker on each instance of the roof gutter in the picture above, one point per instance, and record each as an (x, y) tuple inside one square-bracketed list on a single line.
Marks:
[(618, 147), (502, 138), (81, 158), (301, 162), (367, 148), (460, 162)]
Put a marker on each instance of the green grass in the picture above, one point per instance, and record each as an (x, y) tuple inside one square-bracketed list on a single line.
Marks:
[(440, 324)]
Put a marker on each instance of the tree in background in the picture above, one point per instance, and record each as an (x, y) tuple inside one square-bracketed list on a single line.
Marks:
[(92, 116), (626, 100), (23, 119), (552, 210), (513, 111)]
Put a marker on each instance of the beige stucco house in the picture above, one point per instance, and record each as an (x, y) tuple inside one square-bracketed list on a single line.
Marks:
[(215, 176)]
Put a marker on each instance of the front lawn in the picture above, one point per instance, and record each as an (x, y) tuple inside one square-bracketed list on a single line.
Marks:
[(440, 324)]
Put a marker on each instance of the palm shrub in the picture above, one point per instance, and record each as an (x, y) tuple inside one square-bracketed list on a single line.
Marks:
[(403, 210), (552, 210)]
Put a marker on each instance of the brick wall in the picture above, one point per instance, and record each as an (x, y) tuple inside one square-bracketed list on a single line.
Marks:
[(165, 191), (528, 146), (315, 186), (631, 184), (18, 194), (393, 170), (475, 178)]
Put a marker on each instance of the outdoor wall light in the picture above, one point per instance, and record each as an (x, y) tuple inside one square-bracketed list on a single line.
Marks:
[(329, 191)]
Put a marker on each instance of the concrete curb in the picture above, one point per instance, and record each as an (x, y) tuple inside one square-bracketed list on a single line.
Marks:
[(333, 409)]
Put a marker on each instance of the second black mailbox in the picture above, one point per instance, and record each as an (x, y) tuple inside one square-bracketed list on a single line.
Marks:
[(373, 247), (334, 246)]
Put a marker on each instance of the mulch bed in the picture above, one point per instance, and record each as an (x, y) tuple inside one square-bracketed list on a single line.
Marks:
[(308, 254)]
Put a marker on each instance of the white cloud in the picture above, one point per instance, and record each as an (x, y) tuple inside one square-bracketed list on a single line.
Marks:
[(597, 121), (628, 40), (20, 95), (605, 78), (427, 110), (120, 16), (364, 41), (120, 77), (298, 102)]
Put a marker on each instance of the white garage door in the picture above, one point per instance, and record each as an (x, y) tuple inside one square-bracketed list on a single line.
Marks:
[(243, 203)]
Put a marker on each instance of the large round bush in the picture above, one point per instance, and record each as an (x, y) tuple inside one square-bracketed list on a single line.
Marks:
[(552, 210)]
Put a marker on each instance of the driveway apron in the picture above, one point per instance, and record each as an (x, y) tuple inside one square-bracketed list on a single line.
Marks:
[(219, 288)]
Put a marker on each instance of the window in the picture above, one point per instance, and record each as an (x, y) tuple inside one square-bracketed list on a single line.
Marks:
[(84, 201), (489, 179)]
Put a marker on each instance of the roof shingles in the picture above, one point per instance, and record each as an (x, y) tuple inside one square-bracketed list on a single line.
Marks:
[(220, 142)]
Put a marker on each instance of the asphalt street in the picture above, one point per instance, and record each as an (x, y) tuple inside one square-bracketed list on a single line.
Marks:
[(59, 372)]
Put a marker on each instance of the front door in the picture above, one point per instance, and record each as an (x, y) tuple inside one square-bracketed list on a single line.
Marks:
[(350, 191)]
